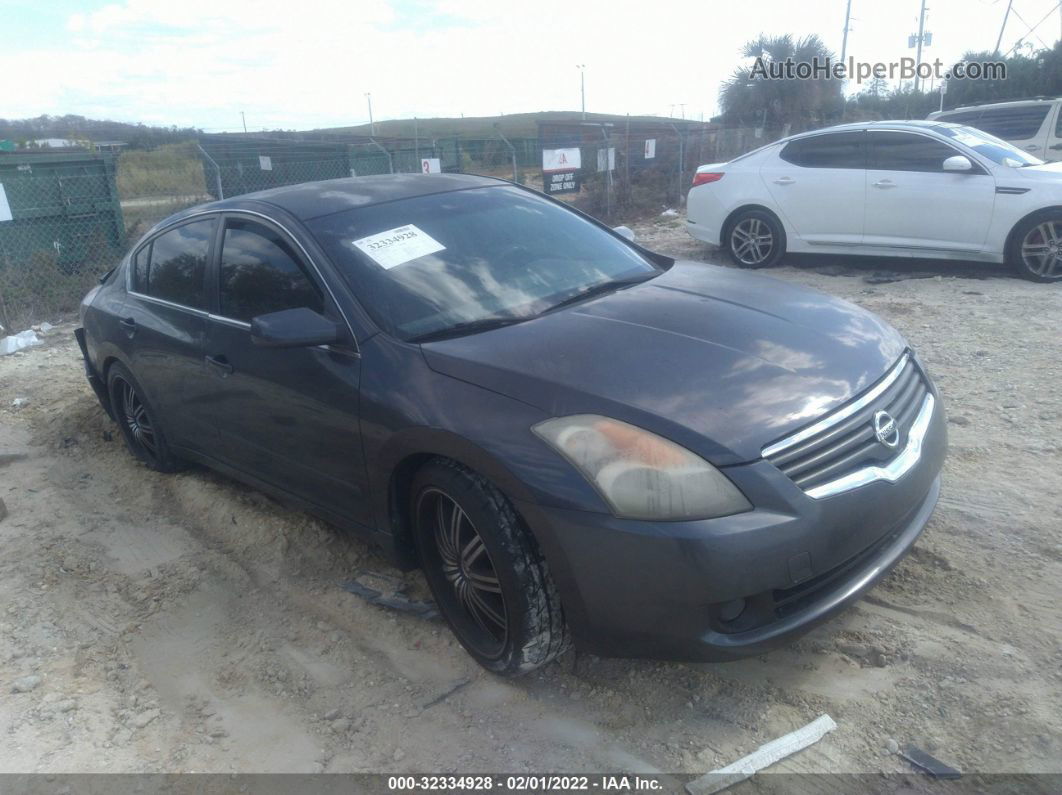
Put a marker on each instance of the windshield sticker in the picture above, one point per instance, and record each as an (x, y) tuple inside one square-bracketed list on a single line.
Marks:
[(400, 245)]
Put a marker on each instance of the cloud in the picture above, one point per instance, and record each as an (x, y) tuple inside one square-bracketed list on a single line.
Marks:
[(309, 63)]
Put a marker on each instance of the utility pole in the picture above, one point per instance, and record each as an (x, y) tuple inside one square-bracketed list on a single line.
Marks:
[(244, 117), (683, 106), (1006, 16), (921, 34), (847, 21), (582, 85), (372, 124)]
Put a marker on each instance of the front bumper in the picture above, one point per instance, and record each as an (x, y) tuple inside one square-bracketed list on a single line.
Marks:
[(668, 589)]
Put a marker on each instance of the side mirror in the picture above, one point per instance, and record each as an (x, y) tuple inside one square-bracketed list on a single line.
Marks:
[(958, 163), (293, 328), (626, 232)]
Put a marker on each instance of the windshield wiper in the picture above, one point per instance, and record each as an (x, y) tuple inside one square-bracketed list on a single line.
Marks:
[(468, 327), (599, 289)]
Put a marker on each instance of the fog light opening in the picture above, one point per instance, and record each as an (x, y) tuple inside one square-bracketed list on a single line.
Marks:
[(732, 610)]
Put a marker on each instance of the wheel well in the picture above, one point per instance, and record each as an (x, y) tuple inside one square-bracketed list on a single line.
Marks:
[(745, 208), (1024, 219), (401, 524)]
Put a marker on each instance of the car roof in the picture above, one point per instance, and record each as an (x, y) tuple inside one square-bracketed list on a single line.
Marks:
[(313, 199), (1017, 103), (911, 124)]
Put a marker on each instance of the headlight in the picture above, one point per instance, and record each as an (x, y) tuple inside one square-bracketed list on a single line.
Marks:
[(641, 475)]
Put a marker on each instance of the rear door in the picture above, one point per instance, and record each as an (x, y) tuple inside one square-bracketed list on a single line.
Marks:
[(164, 324), (912, 203), (819, 186), (288, 416)]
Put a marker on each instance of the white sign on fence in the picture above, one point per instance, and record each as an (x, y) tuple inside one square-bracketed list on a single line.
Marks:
[(430, 165), (611, 159), (5, 208), (561, 159), (265, 163), (650, 148)]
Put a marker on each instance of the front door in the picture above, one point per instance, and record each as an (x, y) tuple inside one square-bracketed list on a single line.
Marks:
[(817, 183), (288, 416), (913, 203)]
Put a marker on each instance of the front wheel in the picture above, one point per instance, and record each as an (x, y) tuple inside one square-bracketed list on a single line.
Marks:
[(1035, 248), (485, 571), (754, 239)]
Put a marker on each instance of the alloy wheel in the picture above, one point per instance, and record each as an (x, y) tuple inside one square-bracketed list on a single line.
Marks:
[(474, 585), (1041, 250), (137, 421), (751, 241)]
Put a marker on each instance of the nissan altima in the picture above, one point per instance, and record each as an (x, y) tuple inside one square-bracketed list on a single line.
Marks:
[(575, 438), (896, 189)]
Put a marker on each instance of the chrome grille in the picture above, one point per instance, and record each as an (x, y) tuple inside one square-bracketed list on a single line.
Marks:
[(845, 442)]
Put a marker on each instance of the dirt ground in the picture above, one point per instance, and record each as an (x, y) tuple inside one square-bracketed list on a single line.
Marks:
[(186, 623)]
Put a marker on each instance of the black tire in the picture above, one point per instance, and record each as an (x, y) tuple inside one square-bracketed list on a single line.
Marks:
[(138, 421), (1035, 247), (754, 239), (494, 569)]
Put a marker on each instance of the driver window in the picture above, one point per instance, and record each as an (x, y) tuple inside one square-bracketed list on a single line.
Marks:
[(899, 151), (261, 273)]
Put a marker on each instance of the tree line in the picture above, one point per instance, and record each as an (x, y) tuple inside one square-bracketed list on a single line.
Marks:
[(798, 105)]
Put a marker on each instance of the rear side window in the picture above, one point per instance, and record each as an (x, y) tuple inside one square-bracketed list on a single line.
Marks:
[(176, 268), (836, 150), (1013, 124), (261, 273), (140, 269), (899, 151)]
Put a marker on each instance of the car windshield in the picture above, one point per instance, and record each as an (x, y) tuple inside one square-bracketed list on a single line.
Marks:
[(995, 149), (465, 260)]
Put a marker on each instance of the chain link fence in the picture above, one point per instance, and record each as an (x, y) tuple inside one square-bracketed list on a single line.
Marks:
[(66, 218)]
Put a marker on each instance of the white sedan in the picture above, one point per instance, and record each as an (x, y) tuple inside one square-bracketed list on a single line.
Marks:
[(894, 189)]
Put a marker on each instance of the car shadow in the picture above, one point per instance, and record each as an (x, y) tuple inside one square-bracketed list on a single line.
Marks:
[(880, 270)]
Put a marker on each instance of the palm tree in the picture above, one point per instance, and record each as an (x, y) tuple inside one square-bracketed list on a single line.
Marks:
[(773, 103)]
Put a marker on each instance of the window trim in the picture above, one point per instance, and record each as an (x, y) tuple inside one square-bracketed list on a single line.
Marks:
[(149, 242), (979, 167), (866, 150), (212, 268)]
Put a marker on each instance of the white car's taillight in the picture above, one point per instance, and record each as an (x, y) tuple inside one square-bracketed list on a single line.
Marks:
[(704, 177)]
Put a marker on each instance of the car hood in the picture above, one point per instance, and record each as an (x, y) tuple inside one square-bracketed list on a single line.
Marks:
[(721, 361)]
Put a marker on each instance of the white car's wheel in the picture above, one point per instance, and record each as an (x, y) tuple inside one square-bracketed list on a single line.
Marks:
[(754, 239), (1036, 248)]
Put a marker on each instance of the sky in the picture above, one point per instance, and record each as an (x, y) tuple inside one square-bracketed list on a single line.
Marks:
[(309, 63)]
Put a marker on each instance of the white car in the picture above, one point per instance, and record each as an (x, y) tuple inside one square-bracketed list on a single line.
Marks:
[(1034, 125), (894, 189)]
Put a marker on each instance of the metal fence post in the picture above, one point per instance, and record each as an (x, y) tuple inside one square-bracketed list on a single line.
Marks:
[(679, 185), (390, 160), (512, 150), (217, 170)]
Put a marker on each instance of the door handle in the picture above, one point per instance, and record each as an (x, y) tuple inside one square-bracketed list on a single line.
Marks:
[(884, 184), (1031, 148), (129, 325), (1057, 146), (221, 364), (784, 181)]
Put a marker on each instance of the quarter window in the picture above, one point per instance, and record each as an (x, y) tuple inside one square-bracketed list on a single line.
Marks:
[(898, 151), (836, 150), (176, 269), (1013, 124), (260, 273)]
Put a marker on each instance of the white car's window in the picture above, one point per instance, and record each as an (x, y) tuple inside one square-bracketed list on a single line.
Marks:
[(986, 145), (834, 150), (901, 151)]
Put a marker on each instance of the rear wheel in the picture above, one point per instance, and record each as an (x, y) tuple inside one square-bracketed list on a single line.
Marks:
[(1036, 248), (138, 421), (485, 571), (754, 239)]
